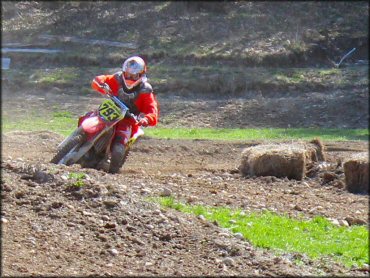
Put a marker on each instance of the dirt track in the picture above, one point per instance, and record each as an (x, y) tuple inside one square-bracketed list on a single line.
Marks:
[(107, 227)]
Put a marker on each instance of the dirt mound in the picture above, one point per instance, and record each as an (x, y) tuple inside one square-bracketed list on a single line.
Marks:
[(103, 228), (103, 224)]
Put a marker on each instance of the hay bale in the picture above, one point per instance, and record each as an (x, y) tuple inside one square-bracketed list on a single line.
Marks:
[(356, 172), (281, 159)]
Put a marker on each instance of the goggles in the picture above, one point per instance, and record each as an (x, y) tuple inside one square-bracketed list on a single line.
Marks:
[(132, 76)]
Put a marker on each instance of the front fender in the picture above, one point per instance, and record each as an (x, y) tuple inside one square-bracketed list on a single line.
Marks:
[(93, 125)]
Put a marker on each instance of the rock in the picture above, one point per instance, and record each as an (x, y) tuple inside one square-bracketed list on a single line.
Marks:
[(86, 213), (4, 220), (7, 187), (355, 221), (239, 235), (328, 177), (145, 191), (343, 223), (110, 203), (157, 212), (103, 238), (149, 226), (335, 222), (105, 218), (56, 205), (297, 207), (228, 261), (138, 241), (201, 217), (166, 192), (165, 237), (19, 194), (339, 184), (110, 225), (114, 252), (192, 199), (324, 166), (222, 234)]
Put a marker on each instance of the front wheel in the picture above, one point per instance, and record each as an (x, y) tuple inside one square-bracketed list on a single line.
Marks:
[(118, 157), (67, 147)]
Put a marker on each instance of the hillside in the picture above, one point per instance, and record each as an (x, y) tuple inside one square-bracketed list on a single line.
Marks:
[(243, 33), (279, 54)]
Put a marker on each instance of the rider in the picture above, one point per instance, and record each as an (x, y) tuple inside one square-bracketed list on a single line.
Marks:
[(131, 86)]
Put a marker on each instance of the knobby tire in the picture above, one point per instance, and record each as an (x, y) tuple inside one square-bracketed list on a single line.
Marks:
[(74, 141), (117, 161)]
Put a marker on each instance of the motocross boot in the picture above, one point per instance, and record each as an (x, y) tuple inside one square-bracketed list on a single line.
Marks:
[(117, 156)]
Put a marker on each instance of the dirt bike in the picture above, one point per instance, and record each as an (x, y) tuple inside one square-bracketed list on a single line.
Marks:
[(90, 143)]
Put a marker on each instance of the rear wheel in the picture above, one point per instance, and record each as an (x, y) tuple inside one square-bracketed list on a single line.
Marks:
[(68, 146)]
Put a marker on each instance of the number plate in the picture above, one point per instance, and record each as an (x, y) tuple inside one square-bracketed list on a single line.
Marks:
[(109, 111)]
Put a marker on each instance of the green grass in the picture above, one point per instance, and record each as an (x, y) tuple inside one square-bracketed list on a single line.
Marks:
[(182, 76), (60, 122), (77, 179), (64, 123), (317, 238), (259, 133)]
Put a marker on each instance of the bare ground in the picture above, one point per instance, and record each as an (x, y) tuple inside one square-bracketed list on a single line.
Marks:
[(108, 228)]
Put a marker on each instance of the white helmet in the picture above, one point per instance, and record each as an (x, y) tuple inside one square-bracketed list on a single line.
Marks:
[(133, 71)]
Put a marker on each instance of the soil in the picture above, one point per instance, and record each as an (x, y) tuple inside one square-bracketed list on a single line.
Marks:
[(107, 227)]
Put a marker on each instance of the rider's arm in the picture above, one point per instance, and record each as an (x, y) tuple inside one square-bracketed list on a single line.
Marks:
[(148, 105), (97, 82)]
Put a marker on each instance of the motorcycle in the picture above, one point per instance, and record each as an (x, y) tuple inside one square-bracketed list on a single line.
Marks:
[(90, 143)]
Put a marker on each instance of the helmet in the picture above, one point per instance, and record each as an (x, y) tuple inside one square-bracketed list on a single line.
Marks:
[(133, 71)]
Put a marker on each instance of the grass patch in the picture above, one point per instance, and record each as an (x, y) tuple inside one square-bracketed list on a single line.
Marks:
[(77, 179), (259, 134), (316, 238), (235, 78), (64, 123), (60, 122)]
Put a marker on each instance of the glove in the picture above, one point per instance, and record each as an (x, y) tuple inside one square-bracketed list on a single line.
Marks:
[(143, 122), (106, 87)]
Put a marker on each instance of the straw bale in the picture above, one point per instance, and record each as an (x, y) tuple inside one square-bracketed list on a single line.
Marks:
[(356, 172), (281, 159)]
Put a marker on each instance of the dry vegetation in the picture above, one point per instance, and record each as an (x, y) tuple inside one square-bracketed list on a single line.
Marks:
[(291, 160), (257, 33), (356, 170)]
